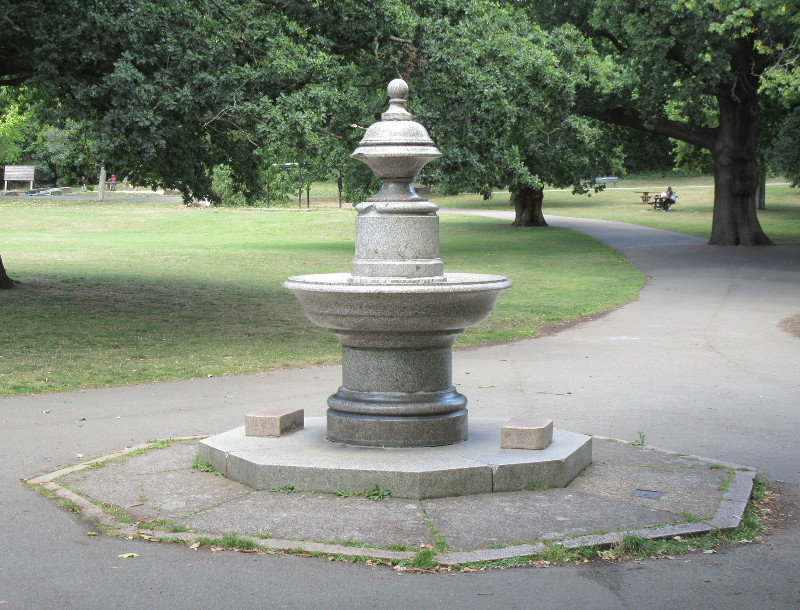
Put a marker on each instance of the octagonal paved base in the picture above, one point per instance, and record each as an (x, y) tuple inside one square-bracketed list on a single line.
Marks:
[(307, 462)]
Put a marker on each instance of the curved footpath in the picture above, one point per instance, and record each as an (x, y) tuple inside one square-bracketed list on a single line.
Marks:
[(699, 365)]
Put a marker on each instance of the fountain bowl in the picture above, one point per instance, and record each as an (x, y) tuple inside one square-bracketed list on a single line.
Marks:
[(451, 302)]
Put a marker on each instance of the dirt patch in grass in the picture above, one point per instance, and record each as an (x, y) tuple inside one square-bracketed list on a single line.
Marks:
[(779, 508), (791, 325)]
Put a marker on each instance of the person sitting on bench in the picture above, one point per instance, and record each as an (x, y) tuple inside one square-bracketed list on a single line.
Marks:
[(669, 196)]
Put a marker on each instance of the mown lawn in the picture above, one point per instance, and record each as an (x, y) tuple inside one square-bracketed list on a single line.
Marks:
[(621, 203), (126, 292)]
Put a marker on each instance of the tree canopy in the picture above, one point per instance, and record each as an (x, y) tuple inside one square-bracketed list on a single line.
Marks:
[(168, 90), (497, 94), (501, 103), (514, 91)]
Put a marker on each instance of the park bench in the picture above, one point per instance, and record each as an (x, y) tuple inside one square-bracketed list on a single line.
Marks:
[(61, 190), (606, 180)]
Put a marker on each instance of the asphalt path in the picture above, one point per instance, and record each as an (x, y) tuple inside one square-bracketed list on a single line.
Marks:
[(698, 364)]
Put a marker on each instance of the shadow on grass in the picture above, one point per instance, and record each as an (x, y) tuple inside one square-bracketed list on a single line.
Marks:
[(63, 332)]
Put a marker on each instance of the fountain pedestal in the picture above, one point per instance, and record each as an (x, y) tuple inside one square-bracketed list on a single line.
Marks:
[(397, 313)]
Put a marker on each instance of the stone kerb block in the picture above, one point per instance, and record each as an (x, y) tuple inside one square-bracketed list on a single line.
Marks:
[(522, 433), (273, 422)]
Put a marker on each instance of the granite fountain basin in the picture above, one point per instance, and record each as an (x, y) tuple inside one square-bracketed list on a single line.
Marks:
[(342, 302)]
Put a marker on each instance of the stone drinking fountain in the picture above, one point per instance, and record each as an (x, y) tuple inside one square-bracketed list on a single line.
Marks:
[(397, 313), (396, 421)]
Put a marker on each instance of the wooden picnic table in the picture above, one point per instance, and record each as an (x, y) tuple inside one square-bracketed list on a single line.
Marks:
[(662, 202), (657, 201), (645, 195)]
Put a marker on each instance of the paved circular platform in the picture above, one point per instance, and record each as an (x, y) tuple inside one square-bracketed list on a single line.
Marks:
[(153, 492)]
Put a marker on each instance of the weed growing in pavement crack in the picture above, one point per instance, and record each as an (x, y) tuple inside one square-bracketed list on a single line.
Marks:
[(638, 442)]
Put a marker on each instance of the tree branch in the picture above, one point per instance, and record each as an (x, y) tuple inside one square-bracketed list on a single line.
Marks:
[(676, 54), (610, 37), (12, 82), (699, 136)]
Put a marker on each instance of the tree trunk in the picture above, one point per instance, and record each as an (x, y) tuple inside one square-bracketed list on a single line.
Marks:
[(101, 187), (735, 157), (761, 193), (6, 283), (528, 207)]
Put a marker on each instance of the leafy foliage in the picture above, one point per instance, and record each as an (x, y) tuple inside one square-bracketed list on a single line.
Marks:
[(783, 152), (12, 130), (500, 104), (168, 91), (510, 90)]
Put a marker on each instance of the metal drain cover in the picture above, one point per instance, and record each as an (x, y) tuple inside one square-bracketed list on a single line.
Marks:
[(647, 493)]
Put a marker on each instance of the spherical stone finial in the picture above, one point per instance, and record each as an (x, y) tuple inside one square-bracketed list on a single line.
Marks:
[(398, 96), (398, 88)]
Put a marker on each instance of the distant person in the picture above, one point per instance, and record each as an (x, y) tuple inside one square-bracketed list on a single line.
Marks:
[(670, 196), (113, 182), (83, 183)]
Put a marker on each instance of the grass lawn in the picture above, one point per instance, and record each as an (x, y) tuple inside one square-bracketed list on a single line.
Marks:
[(135, 291), (691, 214)]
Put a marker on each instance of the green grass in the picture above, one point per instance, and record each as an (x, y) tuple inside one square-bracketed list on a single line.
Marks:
[(690, 517), (231, 541), (197, 464), (691, 215), (425, 559), (376, 493), (70, 505), (125, 292), (285, 489)]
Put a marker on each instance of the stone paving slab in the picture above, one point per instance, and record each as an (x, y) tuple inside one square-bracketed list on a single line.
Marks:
[(322, 517), (155, 484), (472, 522), (162, 493)]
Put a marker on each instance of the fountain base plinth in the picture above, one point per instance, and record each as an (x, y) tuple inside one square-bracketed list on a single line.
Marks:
[(397, 419), (305, 461)]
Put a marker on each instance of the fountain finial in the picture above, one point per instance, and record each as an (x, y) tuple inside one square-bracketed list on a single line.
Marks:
[(396, 148), (398, 96)]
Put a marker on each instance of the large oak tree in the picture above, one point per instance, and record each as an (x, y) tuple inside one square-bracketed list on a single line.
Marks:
[(665, 62)]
